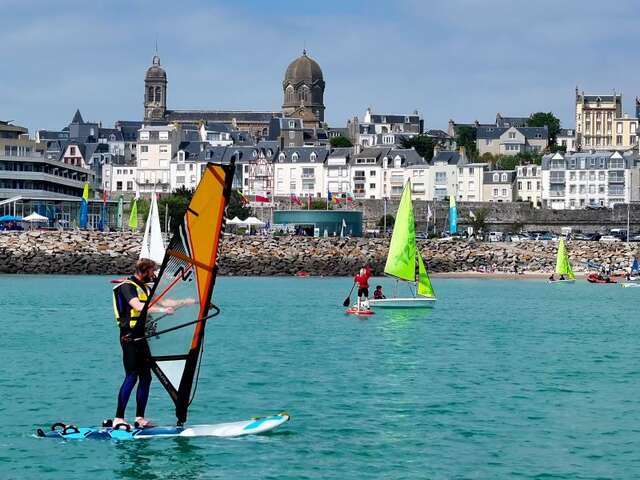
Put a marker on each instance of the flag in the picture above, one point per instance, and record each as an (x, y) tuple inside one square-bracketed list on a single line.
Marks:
[(349, 197), (453, 215), (429, 213), (133, 216), (472, 215), (335, 200), (119, 213), (344, 225), (104, 220), (261, 199), (296, 200), (243, 200), (84, 206)]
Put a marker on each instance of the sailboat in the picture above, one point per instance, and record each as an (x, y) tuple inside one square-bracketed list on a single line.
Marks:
[(404, 259), (152, 243), (563, 267), (175, 341)]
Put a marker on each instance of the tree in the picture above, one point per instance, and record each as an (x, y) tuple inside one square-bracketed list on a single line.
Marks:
[(236, 207), (479, 220), (340, 142), (319, 204), (507, 162), (175, 205), (488, 158), (466, 137), (529, 158), (423, 145), (541, 119)]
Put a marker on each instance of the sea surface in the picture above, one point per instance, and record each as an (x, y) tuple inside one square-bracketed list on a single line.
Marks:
[(502, 379)]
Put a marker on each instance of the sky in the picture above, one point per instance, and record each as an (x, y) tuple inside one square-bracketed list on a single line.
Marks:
[(452, 59)]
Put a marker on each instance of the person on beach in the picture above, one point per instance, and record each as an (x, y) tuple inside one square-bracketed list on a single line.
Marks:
[(377, 293), (129, 300), (362, 280)]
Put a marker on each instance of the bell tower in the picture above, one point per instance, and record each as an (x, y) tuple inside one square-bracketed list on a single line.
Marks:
[(155, 91)]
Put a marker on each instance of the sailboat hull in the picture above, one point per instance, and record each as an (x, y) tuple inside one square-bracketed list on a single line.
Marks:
[(407, 302), (563, 281)]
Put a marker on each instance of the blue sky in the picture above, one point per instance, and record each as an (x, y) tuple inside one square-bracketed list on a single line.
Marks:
[(460, 59)]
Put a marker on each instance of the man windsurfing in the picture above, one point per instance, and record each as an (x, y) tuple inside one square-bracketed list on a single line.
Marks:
[(129, 300)]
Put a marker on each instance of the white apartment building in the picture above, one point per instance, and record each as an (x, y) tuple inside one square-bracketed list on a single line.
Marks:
[(529, 184), (599, 178), (337, 177), (155, 148), (566, 138), (470, 182), (119, 178), (300, 171), (367, 174), (444, 174)]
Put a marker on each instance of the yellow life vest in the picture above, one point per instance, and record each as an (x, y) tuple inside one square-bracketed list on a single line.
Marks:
[(123, 312)]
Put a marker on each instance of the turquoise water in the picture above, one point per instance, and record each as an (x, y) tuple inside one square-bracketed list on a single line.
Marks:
[(503, 379)]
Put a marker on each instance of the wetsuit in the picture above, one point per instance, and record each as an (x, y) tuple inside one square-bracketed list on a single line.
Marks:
[(135, 354)]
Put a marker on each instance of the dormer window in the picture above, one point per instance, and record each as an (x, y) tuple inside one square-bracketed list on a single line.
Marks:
[(292, 124), (294, 157), (269, 153), (496, 177), (313, 156), (181, 156), (255, 153), (281, 157), (397, 162), (504, 177)]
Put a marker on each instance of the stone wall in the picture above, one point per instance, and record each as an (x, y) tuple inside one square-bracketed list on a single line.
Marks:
[(116, 253)]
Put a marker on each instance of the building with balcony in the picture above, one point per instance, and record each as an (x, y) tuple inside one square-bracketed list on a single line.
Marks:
[(578, 180), (471, 181), (337, 177), (155, 148), (301, 172)]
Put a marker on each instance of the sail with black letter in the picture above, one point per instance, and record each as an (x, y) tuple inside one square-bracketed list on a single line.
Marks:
[(185, 284)]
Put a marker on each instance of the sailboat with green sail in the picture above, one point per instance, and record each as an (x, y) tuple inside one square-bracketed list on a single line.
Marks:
[(563, 266), (404, 261)]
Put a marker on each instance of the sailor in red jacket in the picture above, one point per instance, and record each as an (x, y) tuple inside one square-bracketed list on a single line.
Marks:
[(362, 279)]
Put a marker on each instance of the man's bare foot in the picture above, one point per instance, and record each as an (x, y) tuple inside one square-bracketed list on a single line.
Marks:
[(144, 423)]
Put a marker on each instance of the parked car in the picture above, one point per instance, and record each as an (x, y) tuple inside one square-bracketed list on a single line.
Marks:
[(520, 237), (585, 237), (549, 237), (422, 236), (609, 239), (495, 237), (634, 237)]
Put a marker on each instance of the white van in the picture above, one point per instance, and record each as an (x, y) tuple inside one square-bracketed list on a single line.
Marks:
[(495, 236)]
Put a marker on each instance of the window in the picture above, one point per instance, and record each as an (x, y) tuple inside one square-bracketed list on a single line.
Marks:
[(470, 170), (616, 163), (504, 192), (118, 185), (512, 134), (441, 178), (72, 151), (129, 185), (292, 135), (292, 124), (164, 135), (144, 148), (496, 177), (180, 167), (504, 177), (292, 186), (281, 157), (313, 156), (529, 185), (583, 176), (618, 139), (372, 173), (583, 189), (164, 148), (180, 179), (592, 176), (372, 185), (592, 189), (572, 189), (572, 175), (495, 192), (294, 157)]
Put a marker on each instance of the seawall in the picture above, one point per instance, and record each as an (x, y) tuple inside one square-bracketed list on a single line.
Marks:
[(115, 254)]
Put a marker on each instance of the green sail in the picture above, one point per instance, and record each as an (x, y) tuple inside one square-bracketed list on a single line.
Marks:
[(424, 284), (563, 267), (401, 260)]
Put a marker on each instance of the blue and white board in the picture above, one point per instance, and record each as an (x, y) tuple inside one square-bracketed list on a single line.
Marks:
[(232, 429)]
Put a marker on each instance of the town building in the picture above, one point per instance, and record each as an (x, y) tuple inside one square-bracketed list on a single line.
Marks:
[(602, 125), (511, 140), (471, 181), (155, 148), (384, 129), (566, 138), (444, 173), (578, 180), (337, 177), (499, 186), (300, 171), (529, 184)]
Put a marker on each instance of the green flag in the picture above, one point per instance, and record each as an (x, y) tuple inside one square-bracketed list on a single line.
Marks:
[(133, 217), (563, 267), (401, 260), (119, 213)]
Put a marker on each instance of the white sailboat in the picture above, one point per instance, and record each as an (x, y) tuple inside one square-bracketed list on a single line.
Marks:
[(152, 243), (404, 259)]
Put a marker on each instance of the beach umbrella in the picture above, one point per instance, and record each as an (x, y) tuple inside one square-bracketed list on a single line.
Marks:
[(235, 221), (34, 217), (253, 222)]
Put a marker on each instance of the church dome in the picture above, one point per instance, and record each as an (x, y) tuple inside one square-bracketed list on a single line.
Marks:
[(155, 71), (303, 69)]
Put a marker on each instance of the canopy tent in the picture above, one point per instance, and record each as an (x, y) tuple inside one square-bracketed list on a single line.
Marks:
[(253, 222), (235, 221), (35, 217), (10, 218)]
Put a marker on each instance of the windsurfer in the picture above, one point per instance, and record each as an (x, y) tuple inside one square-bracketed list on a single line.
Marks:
[(129, 299), (362, 280)]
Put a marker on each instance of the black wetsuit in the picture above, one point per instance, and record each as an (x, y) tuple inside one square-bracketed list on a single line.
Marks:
[(135, 354)]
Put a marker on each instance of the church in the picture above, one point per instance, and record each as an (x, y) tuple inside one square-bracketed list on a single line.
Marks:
[(303, 98)]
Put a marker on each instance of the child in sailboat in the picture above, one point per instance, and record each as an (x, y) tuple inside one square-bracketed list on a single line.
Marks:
[(377, 293)]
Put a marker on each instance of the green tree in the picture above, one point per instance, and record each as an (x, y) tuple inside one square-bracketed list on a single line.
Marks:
[(507, 162), (466, 137), (540, 119), (529, 158), (319, 204), (488, 158), (479, 220), (236, 207), (423, 145), (340, 141), (175, 205)]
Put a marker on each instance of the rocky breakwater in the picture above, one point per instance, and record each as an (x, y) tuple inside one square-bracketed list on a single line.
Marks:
[(68, 252), (116, 253)]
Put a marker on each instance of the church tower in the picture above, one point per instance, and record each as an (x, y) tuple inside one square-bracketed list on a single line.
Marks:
[(155, 91), (303, 89)]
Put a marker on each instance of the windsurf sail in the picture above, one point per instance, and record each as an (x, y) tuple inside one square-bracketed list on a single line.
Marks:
[(563, 267), (453, 214), (424, 283), (152, 244), (635, 267), (185, 283), (401, 260)]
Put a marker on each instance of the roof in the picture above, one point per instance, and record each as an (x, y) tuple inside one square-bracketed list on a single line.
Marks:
[(304, 154), (8, 127), (493, 133), (380, 118), (447, 156), (489, 179), (602, 98), (566, 132), (511, 121), (44, 135), (155, 71), (409, 157), (77, 118), (437, 134), (221, 116), (303, 69)]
